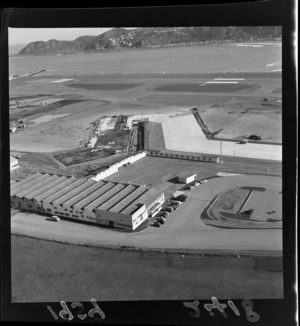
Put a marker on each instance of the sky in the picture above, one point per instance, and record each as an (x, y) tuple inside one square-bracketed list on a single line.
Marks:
[(27, 35)]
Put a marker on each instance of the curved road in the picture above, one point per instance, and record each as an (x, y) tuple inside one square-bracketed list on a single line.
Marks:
[(182, 230)]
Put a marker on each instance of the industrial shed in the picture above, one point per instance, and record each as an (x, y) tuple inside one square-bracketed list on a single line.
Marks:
[(187, 177), (108, 203)]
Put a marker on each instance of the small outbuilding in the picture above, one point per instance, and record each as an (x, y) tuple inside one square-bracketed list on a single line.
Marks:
[(14, 163), (187, 177)]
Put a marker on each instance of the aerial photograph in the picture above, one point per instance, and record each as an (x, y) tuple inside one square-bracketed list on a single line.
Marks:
[(145, 163)]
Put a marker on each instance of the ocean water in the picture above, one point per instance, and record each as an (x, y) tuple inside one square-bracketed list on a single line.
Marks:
[(183, 59)]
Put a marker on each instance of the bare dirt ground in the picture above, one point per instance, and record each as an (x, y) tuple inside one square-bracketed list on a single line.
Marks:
[(245, 116)]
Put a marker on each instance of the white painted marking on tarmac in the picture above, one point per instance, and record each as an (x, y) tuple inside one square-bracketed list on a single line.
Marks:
[(225, 174), (222, 82), (61, 80), (220, 78)]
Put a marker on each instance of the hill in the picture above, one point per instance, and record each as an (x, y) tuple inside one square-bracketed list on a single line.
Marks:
[(119, 38)]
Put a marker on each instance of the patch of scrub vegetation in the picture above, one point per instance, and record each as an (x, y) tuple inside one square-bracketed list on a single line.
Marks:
[(230, 201)]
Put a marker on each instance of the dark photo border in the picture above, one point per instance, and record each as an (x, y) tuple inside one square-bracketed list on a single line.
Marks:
[(179, 312)]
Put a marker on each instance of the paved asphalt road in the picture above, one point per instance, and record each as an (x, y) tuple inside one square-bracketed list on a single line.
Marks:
[(183, 229), (184, 134)]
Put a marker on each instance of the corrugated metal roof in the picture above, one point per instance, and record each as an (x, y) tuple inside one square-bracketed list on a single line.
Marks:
[(64, 199), (64, 190), (55, 189), (117, 198), (23, 182), (129, 199), (84, 193), (52, 181), (73, 189), (146, 199), (34, 187), (86, 201), (99, 201), (20, 192)]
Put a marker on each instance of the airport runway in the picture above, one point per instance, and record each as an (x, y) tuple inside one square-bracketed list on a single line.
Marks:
[(184, 134)]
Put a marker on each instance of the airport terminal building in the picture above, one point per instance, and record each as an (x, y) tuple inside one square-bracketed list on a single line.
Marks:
[(113, 204)]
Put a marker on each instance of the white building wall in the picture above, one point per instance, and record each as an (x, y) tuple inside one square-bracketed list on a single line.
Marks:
[(184, 156), (124, 221), (115, 167), (187, 179), (14, 163)]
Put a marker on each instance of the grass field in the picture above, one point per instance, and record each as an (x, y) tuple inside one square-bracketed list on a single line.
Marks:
[(267, 205), (45, 271), (229, 201), (79, 156), (103, 87), (156, 136)]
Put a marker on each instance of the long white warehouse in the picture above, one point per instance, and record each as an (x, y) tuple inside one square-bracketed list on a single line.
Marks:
[(113, 204)]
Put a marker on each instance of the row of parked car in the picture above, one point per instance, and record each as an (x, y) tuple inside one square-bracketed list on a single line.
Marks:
[(195, 184), (172, 205)]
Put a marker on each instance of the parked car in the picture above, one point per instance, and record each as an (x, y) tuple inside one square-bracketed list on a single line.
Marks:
[(254, 137), (53, 218), (160, 220), (196, 184), (178, 202), (182, 198), (156, 224), (163, 214), (169, 209), (175, 204), (204, 180)]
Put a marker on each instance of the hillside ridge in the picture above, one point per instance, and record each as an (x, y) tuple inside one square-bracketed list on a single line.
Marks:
[(120, 38)]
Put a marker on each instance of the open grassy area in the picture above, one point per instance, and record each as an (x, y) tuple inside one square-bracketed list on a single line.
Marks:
[(229, 201), (44, 271), (103, 87), (155, 136), (266, 206), (80, 156)]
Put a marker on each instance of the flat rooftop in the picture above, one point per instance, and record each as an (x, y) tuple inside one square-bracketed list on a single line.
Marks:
[(82, 193)]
